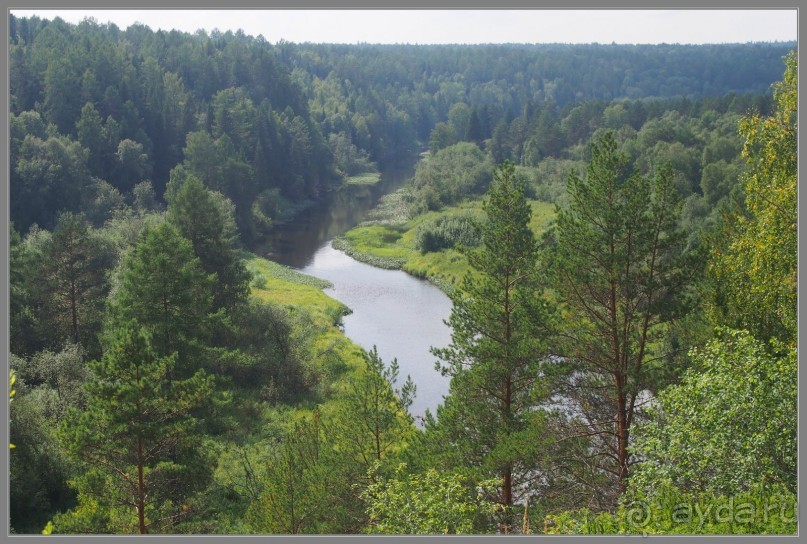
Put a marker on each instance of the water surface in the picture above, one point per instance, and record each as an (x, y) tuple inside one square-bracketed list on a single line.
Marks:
[(399, 314)]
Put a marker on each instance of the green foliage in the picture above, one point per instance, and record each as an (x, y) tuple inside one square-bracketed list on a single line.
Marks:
[(136, 437), (370, 418), (351, 161), (132, 164), (38, 468), (260, 355), (442, 135), (449, 175), (499, 321), (72, 283), (22, 314), (102, 202), (728, 424), (48, 175), (667, 510), (47, 386), (143, 198), (618, 269), (548, 179), (307, 487), (61, 374), (163, 287), (428, 504), (755, 267), (239, 135), (208, 222), (258, 281), (447, 232)]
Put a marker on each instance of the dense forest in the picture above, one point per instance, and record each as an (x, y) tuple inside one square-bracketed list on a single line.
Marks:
[(615, 226)]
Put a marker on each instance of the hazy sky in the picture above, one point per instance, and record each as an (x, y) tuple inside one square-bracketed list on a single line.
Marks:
[(461, 26)]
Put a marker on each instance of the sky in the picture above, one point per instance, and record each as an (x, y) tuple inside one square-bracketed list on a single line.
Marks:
[(464, 26)]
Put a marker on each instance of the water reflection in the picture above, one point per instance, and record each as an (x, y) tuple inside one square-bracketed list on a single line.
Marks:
[(294, 243)]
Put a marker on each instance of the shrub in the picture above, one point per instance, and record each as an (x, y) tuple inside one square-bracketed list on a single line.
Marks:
[(447, 232), (258, 280)]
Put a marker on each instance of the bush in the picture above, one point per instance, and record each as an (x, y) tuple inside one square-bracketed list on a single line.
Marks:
[(451, 174), (258, 280), (433, 502), (764, 509), (447, 232)]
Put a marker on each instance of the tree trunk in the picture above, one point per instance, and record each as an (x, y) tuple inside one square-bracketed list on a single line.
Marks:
[(141, 489), (74, 310), (507, 485), (622, 435)]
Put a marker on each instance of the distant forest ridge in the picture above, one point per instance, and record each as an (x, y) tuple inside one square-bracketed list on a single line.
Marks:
[(562, 72), (96, 110)]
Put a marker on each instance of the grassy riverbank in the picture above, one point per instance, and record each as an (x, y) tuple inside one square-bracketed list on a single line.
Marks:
[(389, 239), (316, 319)]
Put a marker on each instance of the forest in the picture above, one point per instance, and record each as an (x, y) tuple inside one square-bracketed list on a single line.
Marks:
[(615, 226)]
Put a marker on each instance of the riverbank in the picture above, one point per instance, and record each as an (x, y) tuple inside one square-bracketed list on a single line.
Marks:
[(389, 239), (334, 335), (316, 318), (365, 178)]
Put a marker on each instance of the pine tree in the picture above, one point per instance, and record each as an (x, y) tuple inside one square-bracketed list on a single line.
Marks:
[(72, 281), (127, 437), (371, 418), (499, 323), (203, 217), (163, 287), (618, 271)]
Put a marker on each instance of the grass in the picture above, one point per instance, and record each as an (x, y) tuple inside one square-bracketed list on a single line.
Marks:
[(271, 269), (296, 291), (388, 241), (392, 209), (365, 178)]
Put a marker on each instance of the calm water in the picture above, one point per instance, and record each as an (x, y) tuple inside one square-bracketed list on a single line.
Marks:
[(294, 243), (399, 314)]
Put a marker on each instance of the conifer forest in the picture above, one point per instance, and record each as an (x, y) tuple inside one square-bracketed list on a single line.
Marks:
[(611, 231)]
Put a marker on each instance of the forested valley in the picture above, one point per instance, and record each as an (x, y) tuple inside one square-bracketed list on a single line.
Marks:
[(615, 226)]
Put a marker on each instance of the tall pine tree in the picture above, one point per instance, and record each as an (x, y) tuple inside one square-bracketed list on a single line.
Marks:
[(72, 282), (162, 286), (500, 322), (618, 271), (127, 437)]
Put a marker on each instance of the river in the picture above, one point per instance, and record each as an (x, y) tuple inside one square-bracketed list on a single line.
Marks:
[(399, 314)]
